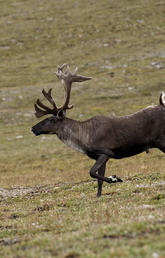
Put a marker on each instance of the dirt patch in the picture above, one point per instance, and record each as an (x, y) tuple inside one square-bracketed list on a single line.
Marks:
[(21, 191), (36, 190)]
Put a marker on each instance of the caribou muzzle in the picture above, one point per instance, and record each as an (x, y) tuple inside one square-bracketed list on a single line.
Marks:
[(35, 131)]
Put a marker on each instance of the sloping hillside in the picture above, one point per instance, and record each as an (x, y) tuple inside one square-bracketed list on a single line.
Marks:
[(48, 204)]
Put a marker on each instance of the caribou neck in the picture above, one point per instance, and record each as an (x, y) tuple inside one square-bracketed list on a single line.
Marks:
[(74, 133)]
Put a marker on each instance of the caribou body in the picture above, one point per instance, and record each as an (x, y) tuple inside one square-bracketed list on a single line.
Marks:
[(100, 137)]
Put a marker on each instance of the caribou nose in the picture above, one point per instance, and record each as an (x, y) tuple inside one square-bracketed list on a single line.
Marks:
[(33, 130)]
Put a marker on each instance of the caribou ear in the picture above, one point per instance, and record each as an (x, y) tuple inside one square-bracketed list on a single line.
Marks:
[(61, 114)]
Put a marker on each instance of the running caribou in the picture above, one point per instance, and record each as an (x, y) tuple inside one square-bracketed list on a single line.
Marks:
[(101, 137)]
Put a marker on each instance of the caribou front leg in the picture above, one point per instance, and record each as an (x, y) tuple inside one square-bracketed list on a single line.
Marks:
[(100, 167), (101, 171)]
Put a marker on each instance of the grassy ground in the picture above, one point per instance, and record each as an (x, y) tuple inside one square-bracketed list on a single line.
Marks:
[(47, 199)]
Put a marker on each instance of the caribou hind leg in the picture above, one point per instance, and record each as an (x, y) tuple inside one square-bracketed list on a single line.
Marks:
[(160, 144), (100, 167)]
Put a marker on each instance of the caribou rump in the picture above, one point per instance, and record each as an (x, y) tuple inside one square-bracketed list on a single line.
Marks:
[(100, 137)]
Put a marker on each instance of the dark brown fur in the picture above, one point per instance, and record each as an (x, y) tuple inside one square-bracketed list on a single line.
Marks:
[(102, 138)]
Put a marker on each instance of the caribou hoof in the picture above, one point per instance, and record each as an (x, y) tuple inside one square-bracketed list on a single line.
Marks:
[(115, 179)]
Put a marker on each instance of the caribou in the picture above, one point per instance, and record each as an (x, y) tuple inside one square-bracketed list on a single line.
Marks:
[(100, 137)]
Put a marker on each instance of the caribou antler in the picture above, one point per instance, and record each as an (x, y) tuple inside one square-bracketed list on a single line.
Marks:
[(45, 110), (67, 78), (64, 74)]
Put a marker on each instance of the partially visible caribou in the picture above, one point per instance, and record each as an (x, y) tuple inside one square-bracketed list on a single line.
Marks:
[(101, 137)]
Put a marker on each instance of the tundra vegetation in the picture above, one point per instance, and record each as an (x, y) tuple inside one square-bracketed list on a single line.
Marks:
[(48, 206)]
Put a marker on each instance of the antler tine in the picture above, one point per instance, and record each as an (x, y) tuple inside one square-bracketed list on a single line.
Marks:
[(68, 71), (80, 78), (44, 110), (62, 67), (75, 71), (48, 96), (39, 112), (60, 70), (40, 104), (61, 74)]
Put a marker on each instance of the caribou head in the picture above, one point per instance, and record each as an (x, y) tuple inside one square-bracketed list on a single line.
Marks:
[(52, 124)]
